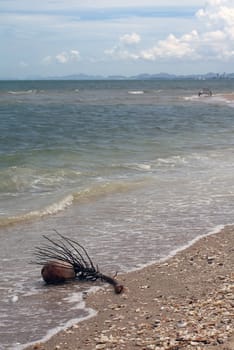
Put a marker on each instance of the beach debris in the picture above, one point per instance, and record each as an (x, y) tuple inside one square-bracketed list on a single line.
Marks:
[(65, 259)]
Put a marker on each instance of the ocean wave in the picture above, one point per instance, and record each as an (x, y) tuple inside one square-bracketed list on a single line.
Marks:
[(138, 166), (225, 98), (136, 92), (22, 92), (87, 194), (192, 160), (176, 161), (172, 161), (215, 99), (191, 98), (108, 188), (35, 214), (17, 180)]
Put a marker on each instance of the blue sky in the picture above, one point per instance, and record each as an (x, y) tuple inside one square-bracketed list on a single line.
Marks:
[(115, 37)]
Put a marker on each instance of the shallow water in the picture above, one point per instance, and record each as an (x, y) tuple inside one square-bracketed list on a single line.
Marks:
[(132, 170)]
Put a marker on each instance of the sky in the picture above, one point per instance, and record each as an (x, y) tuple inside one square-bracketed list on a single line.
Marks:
[(115, 37)]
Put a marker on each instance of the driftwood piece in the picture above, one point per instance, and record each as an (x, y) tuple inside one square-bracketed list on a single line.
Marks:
[(65, 259)]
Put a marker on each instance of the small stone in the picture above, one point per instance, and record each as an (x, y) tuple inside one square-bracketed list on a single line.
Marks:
[(194, 343), (75, 326), (156, 323), (210, 259), (100, 346), (37, 346), (103, 339), (181, 324), (145, 287)]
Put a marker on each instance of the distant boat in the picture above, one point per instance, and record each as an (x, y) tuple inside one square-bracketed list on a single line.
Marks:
[(205, 92)]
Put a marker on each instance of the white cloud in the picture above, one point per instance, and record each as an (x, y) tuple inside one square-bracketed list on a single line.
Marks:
[(129, 39), (218, 40), (174, 35), (74, 55), (121, 50), (217, 13), (212, 39), (62, 57), (172, 47)]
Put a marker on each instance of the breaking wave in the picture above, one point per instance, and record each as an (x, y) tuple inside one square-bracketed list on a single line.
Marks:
[(136, 92), (85, 195)]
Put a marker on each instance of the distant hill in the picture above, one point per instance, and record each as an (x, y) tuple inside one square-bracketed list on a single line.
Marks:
[(144, 76)]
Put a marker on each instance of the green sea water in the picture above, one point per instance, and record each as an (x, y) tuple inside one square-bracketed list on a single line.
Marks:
[(133, 170)]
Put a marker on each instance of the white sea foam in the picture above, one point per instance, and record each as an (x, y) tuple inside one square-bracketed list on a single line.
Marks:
[(182, 247), (56, 207), (191, 98), (48, 210), (139, 166), (15, 298), (136, 92), (214, 99), (22, 92), (52, 332), (215, 230), (74, 298)]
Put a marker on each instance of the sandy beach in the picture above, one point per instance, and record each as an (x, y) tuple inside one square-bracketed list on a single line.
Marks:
[(185, 302)]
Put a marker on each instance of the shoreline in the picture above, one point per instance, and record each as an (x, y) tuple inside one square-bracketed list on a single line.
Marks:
[(184, 302), (229, 96)]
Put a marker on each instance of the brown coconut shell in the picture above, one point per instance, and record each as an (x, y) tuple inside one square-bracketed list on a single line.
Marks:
[(54, 272)]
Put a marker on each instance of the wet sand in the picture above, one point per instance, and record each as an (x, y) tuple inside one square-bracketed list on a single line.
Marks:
[(229, 97), (186, 302)]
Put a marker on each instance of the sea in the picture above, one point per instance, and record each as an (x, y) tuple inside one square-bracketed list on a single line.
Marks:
[(132, 170)]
